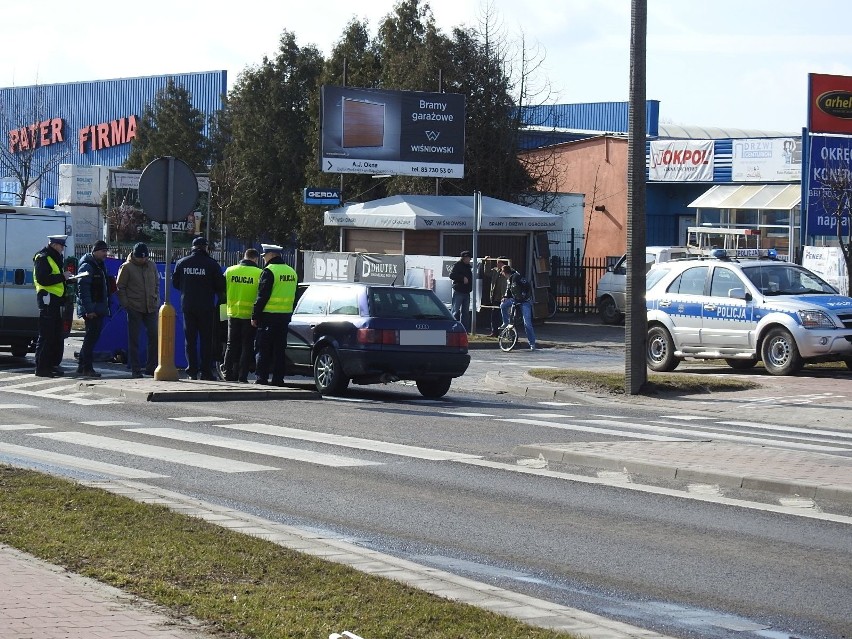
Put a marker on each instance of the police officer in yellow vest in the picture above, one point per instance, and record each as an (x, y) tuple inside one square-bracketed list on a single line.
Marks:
[(241, 282), (49, 280), (271, 314)]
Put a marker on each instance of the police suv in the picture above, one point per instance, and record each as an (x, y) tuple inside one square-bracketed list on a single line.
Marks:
[(745, 311)]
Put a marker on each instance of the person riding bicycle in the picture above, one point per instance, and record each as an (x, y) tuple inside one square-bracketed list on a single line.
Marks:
[(518, 291)]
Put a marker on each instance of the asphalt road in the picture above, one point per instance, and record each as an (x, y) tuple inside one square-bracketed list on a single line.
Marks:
[(435, 482)]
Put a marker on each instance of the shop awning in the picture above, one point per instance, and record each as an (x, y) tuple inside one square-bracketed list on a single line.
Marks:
[(751, 196), (441, 212)]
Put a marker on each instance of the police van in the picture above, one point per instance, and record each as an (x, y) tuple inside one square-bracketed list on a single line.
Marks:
[(23, 233)]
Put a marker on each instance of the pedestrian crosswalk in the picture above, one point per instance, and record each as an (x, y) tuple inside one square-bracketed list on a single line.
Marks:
[(64, 389), (226, 445)]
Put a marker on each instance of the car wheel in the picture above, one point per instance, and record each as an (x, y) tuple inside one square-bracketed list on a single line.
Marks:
[(741, 364), (434, 388), (609, 311), (660, 354), (328, 373), (780, 354)]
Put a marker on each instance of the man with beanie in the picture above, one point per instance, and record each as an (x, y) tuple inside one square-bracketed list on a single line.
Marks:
[(199, 279), (92, 303), (49, 280), (241, 282), (273, 309), (139, 294)]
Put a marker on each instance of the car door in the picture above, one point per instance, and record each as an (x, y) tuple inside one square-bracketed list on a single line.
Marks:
[(682, 303), (727, 321), (309, 312)]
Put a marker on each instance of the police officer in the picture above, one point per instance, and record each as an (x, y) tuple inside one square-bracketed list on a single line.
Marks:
[(241, 282), (271, 314), (199, 279), (49, 280)]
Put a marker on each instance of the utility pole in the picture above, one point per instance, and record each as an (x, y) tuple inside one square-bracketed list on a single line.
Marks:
[(636, 324)]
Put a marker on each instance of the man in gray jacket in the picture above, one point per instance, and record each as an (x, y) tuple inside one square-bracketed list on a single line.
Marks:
[(139, 294)]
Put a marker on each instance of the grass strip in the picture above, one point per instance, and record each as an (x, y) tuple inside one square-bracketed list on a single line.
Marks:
[(658, 383), (240, 585)]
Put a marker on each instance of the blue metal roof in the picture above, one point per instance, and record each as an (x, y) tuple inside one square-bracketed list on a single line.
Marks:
[(84, 104)]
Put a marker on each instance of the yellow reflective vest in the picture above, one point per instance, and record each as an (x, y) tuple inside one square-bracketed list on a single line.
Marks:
[(241, 283), (57, 289), (283, 295)]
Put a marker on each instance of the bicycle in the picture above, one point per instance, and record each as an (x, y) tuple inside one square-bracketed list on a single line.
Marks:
[(507, 338)]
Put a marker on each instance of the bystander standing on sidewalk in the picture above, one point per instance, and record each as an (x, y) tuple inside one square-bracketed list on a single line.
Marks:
[(93, 292), (462, 278), (139, 295)]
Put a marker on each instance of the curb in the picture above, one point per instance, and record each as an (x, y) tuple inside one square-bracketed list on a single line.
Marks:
[(529, 386), (674, 472), (205, 394)]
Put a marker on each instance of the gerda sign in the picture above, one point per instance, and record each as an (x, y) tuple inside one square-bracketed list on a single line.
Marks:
[(392, 132)]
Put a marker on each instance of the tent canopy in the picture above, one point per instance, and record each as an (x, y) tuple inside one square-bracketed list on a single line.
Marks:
[(441, 212), (753, 196)]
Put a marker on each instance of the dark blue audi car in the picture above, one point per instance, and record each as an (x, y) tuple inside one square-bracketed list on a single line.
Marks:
[(371, 334)]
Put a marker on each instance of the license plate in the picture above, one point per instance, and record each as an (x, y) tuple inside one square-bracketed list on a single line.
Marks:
[(423, 338)]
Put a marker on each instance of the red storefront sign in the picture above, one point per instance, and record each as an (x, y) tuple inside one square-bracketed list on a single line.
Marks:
[(829, 103)]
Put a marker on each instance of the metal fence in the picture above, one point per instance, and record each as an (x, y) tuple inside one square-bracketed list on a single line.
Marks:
[(574, 283)]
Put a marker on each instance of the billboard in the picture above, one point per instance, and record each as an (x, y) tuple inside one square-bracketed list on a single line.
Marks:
[(379, 132), (681, 161), (829, 103), (767, 160), (829, 160)]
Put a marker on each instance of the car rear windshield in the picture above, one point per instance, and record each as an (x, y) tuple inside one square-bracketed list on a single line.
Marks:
[(400, 303)]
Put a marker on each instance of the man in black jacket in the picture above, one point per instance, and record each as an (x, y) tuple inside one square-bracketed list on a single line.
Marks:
[(199, 279), (462, 278)]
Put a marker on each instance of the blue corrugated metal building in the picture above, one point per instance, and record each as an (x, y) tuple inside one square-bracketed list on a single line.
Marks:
[(95, 118)]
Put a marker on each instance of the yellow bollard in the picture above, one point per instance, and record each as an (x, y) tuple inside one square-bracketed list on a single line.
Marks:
[(166, 371)]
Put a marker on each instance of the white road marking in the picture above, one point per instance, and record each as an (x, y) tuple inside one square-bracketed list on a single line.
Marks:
[(713, 435), (13, 406), (593, 429), (66, 393), (546, 415), (192, 420), (657, 490), (6, 377), (351, 442), (795, 429), (685, 417), (108, 423), (46, 457), (258, 448), (471, 414), (171, 455), (21, 427), (559, 403)]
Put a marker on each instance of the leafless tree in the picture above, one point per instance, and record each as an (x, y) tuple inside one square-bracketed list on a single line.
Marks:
[(28, 153), (836, 200)]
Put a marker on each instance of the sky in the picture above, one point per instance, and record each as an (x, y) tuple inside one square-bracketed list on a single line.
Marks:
[(727, 63)]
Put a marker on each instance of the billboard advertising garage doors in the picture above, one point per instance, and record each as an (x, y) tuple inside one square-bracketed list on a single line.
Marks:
[(392, 132)]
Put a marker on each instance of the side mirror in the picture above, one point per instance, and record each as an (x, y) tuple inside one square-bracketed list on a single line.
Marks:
[(739, 294)]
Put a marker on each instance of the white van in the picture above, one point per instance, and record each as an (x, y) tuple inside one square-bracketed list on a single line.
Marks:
[(23, 233), (612, 288)]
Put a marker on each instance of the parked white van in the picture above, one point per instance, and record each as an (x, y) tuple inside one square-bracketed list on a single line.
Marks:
[(23, 233), (612, 288)]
